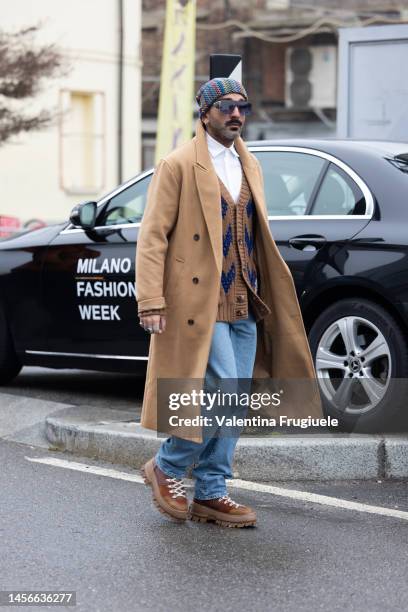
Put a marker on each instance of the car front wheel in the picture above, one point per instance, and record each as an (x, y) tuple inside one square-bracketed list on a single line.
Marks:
[(361, 360)]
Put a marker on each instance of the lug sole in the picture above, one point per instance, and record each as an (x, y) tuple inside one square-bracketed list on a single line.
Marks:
[(200, 515), (208, 519)]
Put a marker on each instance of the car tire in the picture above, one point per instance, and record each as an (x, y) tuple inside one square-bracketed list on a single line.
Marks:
[(10, 365), (375, 397)]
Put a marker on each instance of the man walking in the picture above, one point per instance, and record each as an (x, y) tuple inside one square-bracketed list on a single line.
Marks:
[(215, 294)]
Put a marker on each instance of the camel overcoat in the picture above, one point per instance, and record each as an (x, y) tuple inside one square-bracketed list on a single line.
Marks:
[(180, 238)]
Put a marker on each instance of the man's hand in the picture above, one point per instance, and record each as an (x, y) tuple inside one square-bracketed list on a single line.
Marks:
[(155, 324)]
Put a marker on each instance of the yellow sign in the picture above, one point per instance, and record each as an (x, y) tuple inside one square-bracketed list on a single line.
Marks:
[(177, 77)]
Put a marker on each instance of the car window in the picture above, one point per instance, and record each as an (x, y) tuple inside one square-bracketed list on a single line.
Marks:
[(338, 195), (289, 180), (127, 206)]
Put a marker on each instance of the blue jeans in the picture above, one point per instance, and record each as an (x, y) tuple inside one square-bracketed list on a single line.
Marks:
[(232, 356)]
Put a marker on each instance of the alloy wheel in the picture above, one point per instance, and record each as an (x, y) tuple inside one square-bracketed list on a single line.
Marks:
[(353, 365)]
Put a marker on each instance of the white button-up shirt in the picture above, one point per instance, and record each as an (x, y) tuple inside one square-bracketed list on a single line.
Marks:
[(227, 165)]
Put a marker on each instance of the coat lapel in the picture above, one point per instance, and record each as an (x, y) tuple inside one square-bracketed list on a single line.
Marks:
[(209, 192), (250, 169)]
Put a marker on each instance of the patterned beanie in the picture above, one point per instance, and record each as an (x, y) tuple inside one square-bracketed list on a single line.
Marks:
[(211, 91)]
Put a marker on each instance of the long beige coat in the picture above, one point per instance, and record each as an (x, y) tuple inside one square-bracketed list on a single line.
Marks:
[(180, 238)]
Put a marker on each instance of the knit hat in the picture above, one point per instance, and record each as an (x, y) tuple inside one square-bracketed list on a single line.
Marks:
[(211, 91)]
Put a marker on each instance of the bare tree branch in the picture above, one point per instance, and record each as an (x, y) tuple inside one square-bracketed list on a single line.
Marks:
[(24, 69)]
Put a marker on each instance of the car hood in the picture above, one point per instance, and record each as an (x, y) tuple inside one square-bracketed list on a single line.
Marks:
[(30, 238)]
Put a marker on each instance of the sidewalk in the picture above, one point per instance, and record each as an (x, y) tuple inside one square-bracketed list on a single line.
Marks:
[(115, 436)]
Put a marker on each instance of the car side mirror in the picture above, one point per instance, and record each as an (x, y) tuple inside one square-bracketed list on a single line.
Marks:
[(84, 215)]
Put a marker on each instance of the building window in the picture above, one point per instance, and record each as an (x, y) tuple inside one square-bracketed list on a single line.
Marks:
[(82, 138)]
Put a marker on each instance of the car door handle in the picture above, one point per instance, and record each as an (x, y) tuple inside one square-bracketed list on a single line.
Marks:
[(307, 243)]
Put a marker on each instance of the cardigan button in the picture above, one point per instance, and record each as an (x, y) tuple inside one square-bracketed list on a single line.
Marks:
[(196, 236), (190, 321), (195, 280), (240, 299), (239, 313), (240, 242)]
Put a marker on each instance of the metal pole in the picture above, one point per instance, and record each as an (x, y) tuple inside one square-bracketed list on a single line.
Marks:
[(120, 92)]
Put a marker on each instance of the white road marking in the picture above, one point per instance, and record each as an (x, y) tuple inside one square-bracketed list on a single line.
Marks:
[(317, 498), (83, 467), (236, 483)]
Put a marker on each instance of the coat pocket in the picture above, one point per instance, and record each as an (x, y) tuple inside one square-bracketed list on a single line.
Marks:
[(172, 279)]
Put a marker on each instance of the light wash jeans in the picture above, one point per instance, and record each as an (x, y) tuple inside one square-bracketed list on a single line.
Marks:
[(232, 356)]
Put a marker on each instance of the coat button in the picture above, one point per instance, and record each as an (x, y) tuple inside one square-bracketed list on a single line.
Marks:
[(195, 280), (196, 236), (190, 321)]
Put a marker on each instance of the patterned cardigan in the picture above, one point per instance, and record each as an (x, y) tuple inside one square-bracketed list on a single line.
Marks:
[(239, 279)]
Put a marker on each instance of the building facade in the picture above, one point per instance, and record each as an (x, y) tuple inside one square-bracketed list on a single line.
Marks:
[(290, 57), (95, 143)]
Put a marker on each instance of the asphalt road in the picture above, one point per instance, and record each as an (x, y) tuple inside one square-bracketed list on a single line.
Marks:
[(101, 537)]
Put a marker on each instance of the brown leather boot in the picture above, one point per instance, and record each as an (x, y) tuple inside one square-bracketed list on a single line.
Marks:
[(169, 494), (223, 511)]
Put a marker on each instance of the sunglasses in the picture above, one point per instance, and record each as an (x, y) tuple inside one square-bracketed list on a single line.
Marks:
[(227, 106)]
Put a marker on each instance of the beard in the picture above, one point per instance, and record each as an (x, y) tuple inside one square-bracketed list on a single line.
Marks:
[(224, 132), (231, 132)]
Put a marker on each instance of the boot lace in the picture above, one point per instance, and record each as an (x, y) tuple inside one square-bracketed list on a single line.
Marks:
[(176, 487), (227, 500)]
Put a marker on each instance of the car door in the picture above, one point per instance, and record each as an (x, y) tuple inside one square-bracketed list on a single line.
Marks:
[(316, 204), (89, 282)]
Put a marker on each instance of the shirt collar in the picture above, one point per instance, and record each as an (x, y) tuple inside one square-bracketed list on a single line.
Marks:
[(215, 147)]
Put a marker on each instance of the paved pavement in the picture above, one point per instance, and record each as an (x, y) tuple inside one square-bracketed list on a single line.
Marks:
[(99, 535), (79, 388), (96, 415), (115, 436)]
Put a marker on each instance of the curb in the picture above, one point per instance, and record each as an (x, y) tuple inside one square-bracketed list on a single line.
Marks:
[(275, 458)]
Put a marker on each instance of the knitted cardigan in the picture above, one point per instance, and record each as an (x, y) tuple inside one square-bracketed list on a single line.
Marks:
[(239, 288)]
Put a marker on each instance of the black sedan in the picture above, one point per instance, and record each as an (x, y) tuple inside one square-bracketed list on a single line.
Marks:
[(337, 211)]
